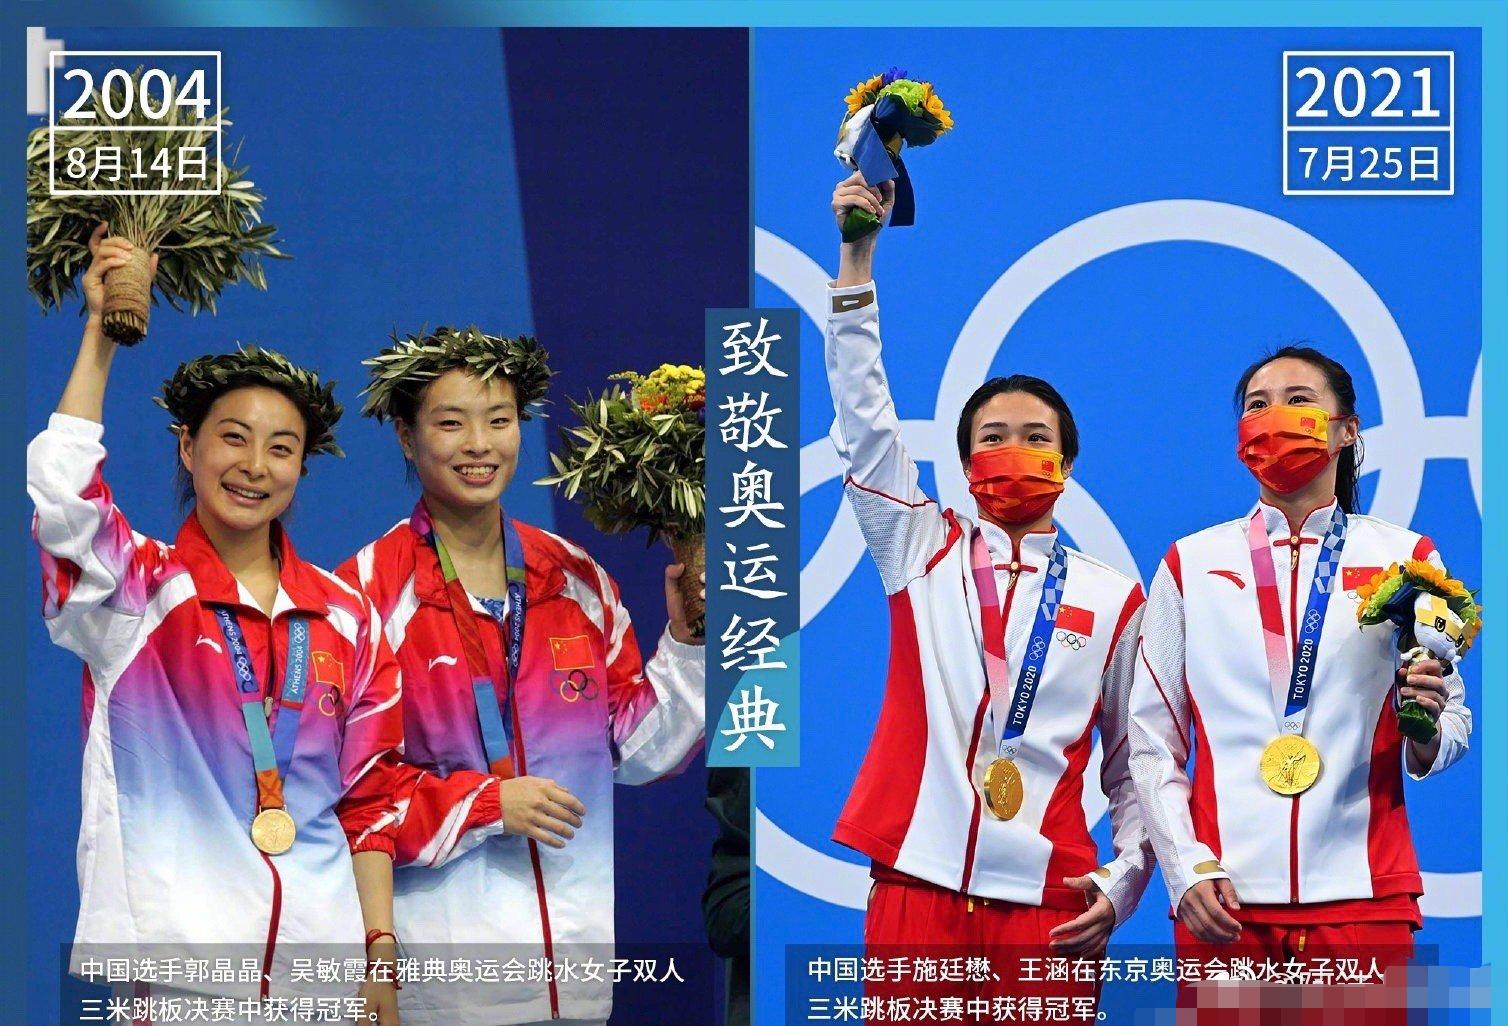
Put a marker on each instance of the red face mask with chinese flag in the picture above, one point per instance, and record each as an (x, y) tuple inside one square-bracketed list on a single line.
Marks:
[(1014, 484), (1285, 447)]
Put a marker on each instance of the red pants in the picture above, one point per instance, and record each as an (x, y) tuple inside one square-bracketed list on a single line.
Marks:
[(918, 924), (1328, 953)]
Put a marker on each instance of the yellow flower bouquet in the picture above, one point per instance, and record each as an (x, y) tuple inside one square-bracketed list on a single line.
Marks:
[(884, 114), (1434, 616)]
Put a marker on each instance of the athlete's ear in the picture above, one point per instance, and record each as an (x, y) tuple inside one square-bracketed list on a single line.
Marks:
[(185, 448), (1350, 430), (1067, 468), (405, 438)]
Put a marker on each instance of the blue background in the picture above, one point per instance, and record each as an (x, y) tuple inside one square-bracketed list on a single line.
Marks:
[(523, 180), (1146, 343)]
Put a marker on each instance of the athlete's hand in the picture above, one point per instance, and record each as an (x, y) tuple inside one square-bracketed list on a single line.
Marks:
[(675, 607), (1424, 682), (380, 1002), (1087, 935), (853, 191), (856, 259), (1203, 911), (108, 253), (540, 808), (379, 991)]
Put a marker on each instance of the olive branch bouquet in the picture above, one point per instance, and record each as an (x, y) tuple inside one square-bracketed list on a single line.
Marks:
[(205, 241), (638, 459)]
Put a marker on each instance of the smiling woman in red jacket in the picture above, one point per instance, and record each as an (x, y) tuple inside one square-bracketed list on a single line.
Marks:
[(520, 661), (241, 705)]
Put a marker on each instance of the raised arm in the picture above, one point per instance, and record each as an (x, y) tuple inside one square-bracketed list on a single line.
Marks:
[(84, 395), (903, 528), (655, 708), (95, 570)]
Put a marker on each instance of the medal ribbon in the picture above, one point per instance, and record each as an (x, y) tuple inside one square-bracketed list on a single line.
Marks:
[(1012, 711), (270, 756), (1298, 663), (493, 715)]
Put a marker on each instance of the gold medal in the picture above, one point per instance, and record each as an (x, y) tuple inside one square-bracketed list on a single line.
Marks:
[(273, 831), (1290, 764), (1003, 793)]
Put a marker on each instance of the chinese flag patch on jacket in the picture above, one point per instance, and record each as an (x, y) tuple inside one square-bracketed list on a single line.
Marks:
[(571, 653), (327, 670), (1072, 618)]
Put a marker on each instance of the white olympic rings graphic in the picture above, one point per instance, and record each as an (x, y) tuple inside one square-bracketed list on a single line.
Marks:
[(1397, 447)]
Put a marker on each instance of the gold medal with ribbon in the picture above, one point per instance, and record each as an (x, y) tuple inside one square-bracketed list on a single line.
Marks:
[(1290, 764), (1003, 789), (273, 831)]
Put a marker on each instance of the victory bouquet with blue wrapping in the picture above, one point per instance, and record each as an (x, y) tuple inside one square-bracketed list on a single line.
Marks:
[(1434, 616), (885, 114)]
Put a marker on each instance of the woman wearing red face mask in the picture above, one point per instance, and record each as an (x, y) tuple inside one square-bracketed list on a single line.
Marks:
[(1008, 649), (1291, 839)]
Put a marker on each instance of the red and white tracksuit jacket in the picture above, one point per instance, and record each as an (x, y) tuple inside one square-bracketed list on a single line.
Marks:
[(1341, 850), (165, 856), (632, 723), (916, 805)]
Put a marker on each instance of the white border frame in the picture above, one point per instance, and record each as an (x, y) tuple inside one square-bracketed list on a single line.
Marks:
[(1450, 130), (53, 129)]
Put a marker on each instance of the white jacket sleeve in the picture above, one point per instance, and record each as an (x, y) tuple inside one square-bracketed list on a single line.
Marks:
[(1454, 723), (656, 708), (95, 569), (902, 527), (1124, 878), (1159, 742)]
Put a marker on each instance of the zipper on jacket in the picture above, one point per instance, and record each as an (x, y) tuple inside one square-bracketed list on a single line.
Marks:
[(539, 876), (1294, 542), (984, 702)]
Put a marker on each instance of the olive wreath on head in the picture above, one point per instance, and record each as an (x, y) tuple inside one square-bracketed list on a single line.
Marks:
[(197, 383), (402, 370)]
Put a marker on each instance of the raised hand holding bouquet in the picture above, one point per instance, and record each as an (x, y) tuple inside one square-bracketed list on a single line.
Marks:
[(885, 113), (1434, 615), (638, 459), (207, 238)]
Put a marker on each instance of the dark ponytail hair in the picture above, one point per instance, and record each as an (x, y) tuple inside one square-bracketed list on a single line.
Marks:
[(1348, 460)]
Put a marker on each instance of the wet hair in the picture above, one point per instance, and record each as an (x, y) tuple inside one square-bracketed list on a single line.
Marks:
[(1068, 430), (1348, 461)]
